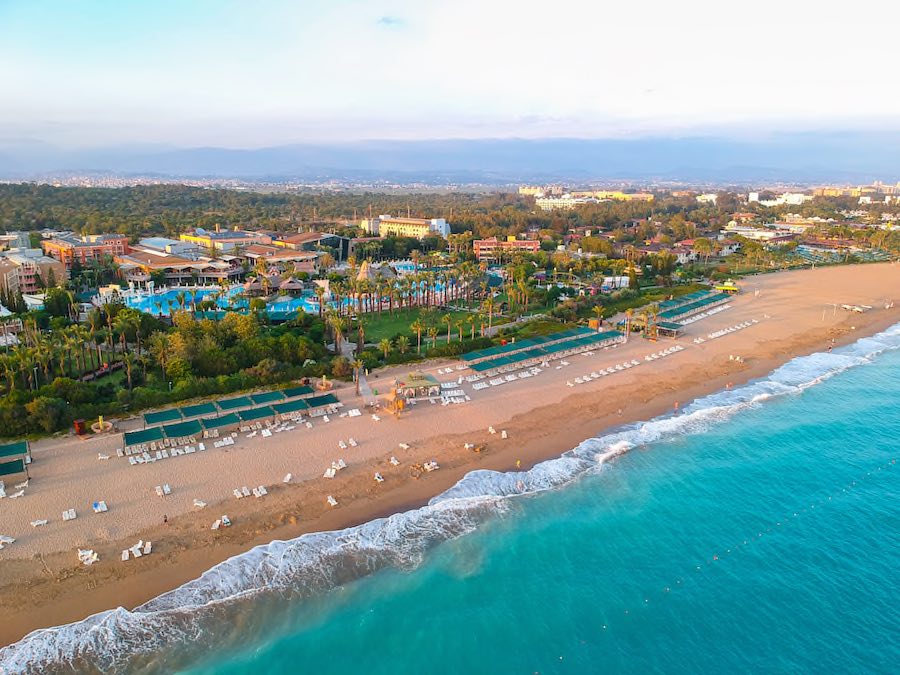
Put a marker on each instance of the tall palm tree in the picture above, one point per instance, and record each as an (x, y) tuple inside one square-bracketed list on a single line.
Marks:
[(357, 369), (402, 344), (433, 333), (417, 327), (448, 319)]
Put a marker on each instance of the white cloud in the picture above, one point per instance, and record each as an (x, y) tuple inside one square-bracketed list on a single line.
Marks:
[(355, 69)]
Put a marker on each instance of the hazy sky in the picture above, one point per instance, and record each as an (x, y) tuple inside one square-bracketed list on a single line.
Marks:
[(245, 74)]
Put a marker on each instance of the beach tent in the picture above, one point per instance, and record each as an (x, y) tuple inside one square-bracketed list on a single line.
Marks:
[(235, 403), (13, 467), (290, 406), (294, 392), (256, 413), (182, 429), (319, 401), (16, 449), (143, 436), (267, 397), (231, 419), (199, 409), (162, 416)]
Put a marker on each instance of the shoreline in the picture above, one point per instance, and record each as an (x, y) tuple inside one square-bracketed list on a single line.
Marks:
[(185, 548)]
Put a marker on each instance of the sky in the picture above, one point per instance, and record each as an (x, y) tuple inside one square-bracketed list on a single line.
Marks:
[(83, 73)]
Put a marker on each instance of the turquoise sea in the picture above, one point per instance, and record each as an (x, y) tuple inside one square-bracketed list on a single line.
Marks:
[(759, 531)]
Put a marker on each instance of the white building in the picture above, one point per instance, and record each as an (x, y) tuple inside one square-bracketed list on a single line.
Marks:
[(418, 228), (709, 198)]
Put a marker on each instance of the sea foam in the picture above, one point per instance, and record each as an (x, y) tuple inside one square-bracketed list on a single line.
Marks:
[(208, 611)]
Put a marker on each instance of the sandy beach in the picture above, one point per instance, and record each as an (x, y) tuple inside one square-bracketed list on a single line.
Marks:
[(42, 583)]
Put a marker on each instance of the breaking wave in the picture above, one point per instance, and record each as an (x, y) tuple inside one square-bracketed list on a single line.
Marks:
[(213, 609)]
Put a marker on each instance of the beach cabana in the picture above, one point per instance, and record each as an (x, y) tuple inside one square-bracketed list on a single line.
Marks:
[(13, 467), (162, 416), (229, 420), (418, 385), (669, 328), (183, 429), (256, 413), (289, 407), (17, 449), (294, 392), (235, 403), (323, 400), (133, 438), (198, 410), (267, 397)]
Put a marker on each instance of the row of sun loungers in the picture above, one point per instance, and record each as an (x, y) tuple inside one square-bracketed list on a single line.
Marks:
[(703, 315), (257, 492), (163, 490), (147, 458), (603, 373), (140, 549), (164, 444), (730, 329), (223, 442), (331, 471)]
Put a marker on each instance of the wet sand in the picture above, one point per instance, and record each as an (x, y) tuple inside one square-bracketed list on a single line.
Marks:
[(41, 583)]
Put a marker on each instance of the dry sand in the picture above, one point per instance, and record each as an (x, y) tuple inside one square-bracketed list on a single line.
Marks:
[(41, 583)]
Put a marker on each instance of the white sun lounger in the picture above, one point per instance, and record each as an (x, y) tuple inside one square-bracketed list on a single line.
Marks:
[(69, 514), (404, 446), (166, 489), (215, 525), (199, 504), (395, 461), (148, 547), (246, 492), (125, 554), (352, 442), (503, 434), (237, 493), (331, 501), (100, 507), (102, 456), (38, 523), (287, 478), (329, 473), (342, 445), (262, 491)]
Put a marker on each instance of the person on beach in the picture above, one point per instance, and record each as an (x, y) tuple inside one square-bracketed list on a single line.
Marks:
[(165, 519)]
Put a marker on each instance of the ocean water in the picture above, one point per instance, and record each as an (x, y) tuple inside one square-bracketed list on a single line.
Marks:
[(758, 531)]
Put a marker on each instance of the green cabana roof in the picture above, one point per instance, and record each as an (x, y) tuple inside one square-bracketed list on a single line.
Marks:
[(290, 406), (319, 401), (256, 413), (294, 392), (162, 416), (231, 419), (235, 403), (14, 449), (12, 467), (143, 436), (199, 409), (179, 429), (267, 397)]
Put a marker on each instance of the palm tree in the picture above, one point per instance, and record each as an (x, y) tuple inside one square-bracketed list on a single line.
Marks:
[(160, 345), (357, 367), (337, 324), (417, 327), (598, 310), (459, 324), (402, 344), (433, 333), (320, 294), (448, 319), (385, 346), (471, 320), (128, 360)]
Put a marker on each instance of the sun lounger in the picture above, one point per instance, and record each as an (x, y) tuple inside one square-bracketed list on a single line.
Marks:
[(119, 452), (262, 490), (226, 521), (287, 478), (341, 464), (309, 425), (38, 523), (395, 461), (166, 489), (237, 493), (199, 504), (331, 501), (69, 514), (215, 525), (101, 456), (245, 491), (342, 445), (503, 434), (125, 555), (148, 547), (376, 418), (255, 492), (16, 495), (330, 472), (352, 442), (100, 507), (404, 446)]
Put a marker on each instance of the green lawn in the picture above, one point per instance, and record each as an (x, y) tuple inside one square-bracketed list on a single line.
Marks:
[(387, 326)]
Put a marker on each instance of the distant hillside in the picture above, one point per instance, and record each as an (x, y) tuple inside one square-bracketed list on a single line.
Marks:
[(850, 156)]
